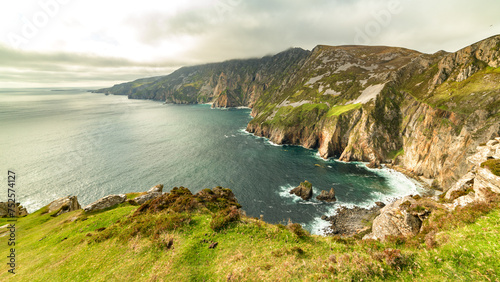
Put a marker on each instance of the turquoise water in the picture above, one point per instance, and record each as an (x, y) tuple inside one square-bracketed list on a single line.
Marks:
[(71, 142)]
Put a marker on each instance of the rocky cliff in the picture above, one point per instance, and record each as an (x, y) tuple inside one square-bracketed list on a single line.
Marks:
[(228, 84), (423, 112)]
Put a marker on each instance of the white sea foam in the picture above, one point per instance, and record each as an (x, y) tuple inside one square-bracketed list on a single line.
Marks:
[(400, 186)]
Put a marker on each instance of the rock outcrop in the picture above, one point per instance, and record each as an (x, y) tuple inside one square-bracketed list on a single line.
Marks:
[(146, 197), (304, 190), (152, 193), (327, 196), (64, 205), (396, 220), (404, 217), (106, 202), (479, 182), (351, 221), (156, 189), (17, 211)]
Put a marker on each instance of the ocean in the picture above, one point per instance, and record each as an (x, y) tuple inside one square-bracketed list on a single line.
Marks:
[(72, 142)]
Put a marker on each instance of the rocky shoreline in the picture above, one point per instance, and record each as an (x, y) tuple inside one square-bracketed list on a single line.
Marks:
[(405, 216)]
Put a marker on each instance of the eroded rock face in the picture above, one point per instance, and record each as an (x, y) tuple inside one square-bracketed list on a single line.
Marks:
[(18, 210), (395, 220), (304, 190), (64, 205), (106, 202), (478, 184), (463, 184), (327, 196)]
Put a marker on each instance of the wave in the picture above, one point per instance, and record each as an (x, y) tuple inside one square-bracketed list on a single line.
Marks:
[(399, 183)]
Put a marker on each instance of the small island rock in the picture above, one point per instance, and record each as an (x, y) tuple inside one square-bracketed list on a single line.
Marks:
[(304, 190), (327, 196)]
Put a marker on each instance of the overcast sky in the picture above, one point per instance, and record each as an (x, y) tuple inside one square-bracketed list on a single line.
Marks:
[(63, 43)]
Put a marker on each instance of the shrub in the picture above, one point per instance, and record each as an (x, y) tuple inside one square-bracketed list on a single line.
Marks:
[(297, 229), (223, 218), (493, 165), (394, 258), (430, 240)]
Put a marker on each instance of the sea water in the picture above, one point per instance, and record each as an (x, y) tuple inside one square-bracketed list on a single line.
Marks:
[(72, 142)]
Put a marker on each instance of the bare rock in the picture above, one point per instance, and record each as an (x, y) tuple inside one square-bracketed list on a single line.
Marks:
[(18, 210), (395, 220), (155, 189), (146, 197), (304, 190), (327, 196), (106, 202), (351, 221), (484, 182), (463, 184), (374, 164), (64, 205)]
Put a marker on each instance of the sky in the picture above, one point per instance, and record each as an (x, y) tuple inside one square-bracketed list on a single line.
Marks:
[(92, 44)]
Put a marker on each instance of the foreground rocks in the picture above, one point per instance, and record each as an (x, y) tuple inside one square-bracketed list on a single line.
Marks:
[(18, 210), (478, 184), (404, 217), (396, 219), (304, 190), (64, 205), (351, 221), (152, 193), (106, 202)]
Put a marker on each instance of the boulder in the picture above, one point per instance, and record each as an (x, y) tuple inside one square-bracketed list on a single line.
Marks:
[(463, 184), (64, 205), (155, 189), (374, 164), (327, 196), (304, 190), (350, 221), (106, 202), (395, 220), (146, 197), (485, 182), (18, 210)]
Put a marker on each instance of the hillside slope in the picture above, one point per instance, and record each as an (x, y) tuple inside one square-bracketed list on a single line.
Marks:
[(173, 238)]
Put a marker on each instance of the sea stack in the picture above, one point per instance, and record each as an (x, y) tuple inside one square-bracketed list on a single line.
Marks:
[(304, 190)]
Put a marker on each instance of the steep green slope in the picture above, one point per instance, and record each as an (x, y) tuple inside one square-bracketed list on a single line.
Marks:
[(227, 84), (174, 239)]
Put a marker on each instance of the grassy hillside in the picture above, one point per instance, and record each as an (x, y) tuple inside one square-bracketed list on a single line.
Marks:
[(171, 242)]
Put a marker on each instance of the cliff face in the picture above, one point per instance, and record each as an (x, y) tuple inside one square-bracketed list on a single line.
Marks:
[(425, 113), (227, 84)]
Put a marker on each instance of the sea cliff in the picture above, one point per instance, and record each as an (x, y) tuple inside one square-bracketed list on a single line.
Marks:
[(423, 113)]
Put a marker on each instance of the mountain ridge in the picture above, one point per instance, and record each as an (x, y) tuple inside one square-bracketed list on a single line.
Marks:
[(424, 113)]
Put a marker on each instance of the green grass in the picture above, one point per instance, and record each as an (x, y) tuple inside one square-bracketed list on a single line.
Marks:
[(116, 245), (468, 95), (394, 154), (337, 110), (493, 165)]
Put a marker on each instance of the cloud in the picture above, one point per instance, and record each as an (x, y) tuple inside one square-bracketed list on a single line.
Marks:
[(124, 41), (25, 68)]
